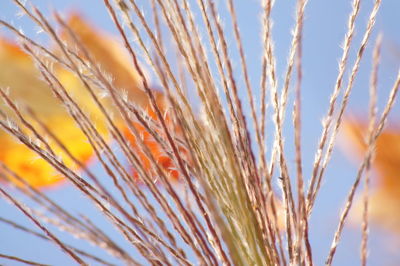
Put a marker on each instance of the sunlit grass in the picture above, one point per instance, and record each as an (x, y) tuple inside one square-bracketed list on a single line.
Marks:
[(199, 188)]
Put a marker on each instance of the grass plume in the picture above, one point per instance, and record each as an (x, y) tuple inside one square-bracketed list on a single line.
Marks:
[(215, 203)]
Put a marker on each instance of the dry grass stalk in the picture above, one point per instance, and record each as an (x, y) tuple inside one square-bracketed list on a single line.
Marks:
[(372, 120)]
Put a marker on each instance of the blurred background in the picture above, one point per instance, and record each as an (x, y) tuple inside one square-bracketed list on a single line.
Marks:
[(324, 29)]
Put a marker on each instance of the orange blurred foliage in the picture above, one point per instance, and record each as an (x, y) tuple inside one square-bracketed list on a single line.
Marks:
[(385, 193)]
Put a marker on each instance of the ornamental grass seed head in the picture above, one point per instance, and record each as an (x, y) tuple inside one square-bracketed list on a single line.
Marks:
[(210, 169)]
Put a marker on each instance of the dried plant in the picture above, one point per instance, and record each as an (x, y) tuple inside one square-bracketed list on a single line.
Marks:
[(199, 188)]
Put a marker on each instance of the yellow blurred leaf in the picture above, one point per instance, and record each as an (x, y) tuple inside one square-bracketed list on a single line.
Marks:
[(17, 72)]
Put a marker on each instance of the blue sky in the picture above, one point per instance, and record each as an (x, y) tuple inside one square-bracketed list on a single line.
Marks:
[(324, 29)]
